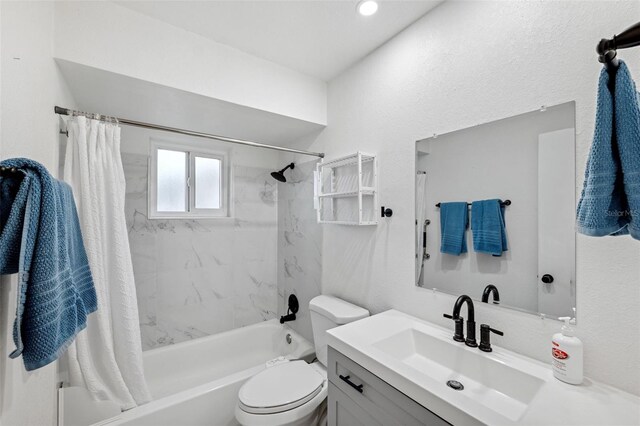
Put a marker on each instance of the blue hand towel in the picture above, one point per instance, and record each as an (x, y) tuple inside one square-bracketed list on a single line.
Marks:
[(627, 122), (454, 218), (487, 227), (610, 200), (40, 239)]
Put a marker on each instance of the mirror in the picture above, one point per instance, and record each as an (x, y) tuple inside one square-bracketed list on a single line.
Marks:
[(527, 164)]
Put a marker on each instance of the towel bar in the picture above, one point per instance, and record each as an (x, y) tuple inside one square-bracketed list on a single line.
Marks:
[(502, 203)]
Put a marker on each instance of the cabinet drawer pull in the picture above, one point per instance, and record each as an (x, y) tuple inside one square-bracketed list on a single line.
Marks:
[(350, 383)]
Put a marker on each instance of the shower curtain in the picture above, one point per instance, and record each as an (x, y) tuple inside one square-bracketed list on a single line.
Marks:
[(421, 212), (106, 358)]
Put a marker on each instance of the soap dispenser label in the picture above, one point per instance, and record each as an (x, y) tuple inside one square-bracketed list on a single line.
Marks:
[(559, 354)]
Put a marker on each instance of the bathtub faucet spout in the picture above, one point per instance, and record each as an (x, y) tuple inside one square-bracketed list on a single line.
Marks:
[(288, 317), (294, 306)]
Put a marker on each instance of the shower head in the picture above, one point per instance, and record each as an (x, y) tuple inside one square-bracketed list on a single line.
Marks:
[(279, 176)]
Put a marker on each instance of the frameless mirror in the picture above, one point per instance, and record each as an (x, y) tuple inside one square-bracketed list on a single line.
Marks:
[(527, 163)]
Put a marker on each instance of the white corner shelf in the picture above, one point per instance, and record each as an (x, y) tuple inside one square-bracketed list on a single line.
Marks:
[(347, 190)]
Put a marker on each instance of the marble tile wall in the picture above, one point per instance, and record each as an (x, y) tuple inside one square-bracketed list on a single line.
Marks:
[(200, 277), (299, 245)]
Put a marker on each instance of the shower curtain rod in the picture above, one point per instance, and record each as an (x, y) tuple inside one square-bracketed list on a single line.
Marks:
[(67, 111)]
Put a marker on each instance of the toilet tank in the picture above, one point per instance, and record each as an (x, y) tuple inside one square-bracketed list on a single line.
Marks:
[(328, 312)]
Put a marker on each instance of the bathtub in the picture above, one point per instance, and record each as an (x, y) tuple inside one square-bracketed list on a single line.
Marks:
[(197, 382)]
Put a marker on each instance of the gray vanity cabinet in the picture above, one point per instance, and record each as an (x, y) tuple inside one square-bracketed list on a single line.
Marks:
[(346, 412), (358, 397)]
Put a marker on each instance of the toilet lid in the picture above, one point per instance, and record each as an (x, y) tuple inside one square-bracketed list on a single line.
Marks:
[(280, 388)]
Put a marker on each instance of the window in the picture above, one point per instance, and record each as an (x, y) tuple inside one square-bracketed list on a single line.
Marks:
[(187, 183)]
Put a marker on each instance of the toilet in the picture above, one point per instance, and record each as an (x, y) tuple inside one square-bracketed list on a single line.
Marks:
[(294, 392)]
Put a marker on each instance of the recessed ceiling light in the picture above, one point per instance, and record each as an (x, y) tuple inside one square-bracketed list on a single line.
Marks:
[(367, 7)]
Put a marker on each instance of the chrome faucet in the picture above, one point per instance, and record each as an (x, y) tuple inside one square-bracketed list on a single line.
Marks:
[(491, 290), (471, 323)]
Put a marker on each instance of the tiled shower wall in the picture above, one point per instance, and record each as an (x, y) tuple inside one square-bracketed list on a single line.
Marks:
[(200, 277), (299, 244)]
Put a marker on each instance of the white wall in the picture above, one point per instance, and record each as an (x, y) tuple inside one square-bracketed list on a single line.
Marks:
[(299, 242), (463, 64), (30, 86), (113, 38)]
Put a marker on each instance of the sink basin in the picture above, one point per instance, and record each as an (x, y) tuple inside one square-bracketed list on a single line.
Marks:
[(487, 381), (460, 384)]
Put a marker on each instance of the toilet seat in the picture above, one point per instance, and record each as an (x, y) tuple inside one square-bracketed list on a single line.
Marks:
[(280, 388)]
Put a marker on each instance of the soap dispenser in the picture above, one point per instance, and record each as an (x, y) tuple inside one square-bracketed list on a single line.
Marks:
[(566, 351)]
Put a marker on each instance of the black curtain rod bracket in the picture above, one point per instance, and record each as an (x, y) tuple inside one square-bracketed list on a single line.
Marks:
[(607, 48)]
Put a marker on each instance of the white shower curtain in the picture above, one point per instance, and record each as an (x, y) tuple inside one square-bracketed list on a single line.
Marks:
[(106, 358), (421, 211)]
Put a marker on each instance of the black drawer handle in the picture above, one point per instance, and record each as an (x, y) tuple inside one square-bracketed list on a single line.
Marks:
[(350, 383)]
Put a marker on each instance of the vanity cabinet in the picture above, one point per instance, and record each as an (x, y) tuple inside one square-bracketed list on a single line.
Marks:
[(358, 397)]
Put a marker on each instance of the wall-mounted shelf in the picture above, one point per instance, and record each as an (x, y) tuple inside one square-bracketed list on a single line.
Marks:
[(365, 191), (347, 190)]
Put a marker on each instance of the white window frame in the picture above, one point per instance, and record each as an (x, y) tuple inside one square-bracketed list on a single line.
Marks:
[(192, 151)]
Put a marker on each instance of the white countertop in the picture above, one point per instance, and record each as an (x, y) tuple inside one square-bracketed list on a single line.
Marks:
[(556, 403)]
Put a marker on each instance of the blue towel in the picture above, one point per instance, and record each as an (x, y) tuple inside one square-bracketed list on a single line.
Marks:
[(40, 239), (610, 200), (487, 227), (454, 218)]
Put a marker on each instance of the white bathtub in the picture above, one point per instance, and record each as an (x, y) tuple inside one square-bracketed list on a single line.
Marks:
[(197, 382)]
